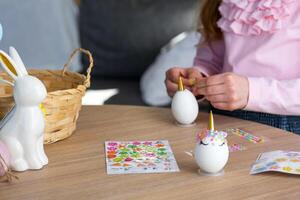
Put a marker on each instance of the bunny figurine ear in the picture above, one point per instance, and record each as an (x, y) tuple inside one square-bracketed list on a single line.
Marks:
[(15, 56), (9, 65)]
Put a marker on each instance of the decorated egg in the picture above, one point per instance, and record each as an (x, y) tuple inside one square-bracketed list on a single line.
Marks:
[(211, 151), (4, 159), (184, 105)]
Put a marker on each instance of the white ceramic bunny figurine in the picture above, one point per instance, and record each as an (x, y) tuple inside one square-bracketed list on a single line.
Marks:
[(23, 128)]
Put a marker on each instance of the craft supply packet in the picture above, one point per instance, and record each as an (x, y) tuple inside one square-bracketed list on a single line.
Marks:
[(278, 161)]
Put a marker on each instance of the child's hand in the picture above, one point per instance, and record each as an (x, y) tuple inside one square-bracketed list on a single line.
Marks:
[(190, 77), (227, 91)]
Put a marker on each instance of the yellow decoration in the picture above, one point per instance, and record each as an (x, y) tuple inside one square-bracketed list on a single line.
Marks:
[(295, 160), (281, 160), (287, 169), (43, 109), (8, 64), (180, 84), (211, 122), (192, 81)]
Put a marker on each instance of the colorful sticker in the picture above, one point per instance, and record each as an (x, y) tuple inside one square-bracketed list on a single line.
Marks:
[(139, 157), (213, 137), (279, 161), (236, 147), (245, 135)]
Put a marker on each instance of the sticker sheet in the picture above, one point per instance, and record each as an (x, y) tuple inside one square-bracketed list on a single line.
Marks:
[(279, 161), (126, 157), (245, 135)]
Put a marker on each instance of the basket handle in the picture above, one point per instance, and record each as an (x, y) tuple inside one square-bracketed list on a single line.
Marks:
[(8, 174), (87, 81)]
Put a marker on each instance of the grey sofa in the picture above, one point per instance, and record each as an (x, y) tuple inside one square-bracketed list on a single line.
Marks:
[(126, 36)]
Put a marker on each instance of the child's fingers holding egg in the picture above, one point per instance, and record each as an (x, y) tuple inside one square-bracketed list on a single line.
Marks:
[(219, 98), (216, 80), (171, 87), (226, 91), (212, 90), (172, 78), (174, 73), (194, 76)]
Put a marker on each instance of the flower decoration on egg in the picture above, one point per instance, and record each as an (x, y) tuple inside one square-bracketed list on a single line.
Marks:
[(213, 138)]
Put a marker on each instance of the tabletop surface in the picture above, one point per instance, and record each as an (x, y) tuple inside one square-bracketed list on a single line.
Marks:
[(77, 167)]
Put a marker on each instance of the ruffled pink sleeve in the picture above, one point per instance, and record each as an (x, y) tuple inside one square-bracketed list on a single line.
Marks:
[(253, 17), (273, 96), (210, 57)]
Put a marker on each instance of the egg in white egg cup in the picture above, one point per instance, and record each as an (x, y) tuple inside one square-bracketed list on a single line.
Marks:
[(211, 152)]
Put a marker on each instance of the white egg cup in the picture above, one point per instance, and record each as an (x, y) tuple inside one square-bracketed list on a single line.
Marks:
[(203, 173), (184, 125)]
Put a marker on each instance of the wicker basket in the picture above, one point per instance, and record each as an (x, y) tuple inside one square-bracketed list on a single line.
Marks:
[(63, 102)]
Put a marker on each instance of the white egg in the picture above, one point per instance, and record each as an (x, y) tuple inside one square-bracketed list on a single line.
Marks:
[(184, 107), (211, 157)]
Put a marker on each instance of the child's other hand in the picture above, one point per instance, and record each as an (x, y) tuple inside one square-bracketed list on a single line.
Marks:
[(227, 91), (190, 77)]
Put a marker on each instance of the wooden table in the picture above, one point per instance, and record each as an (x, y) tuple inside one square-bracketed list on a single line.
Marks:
[(77, 167)]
